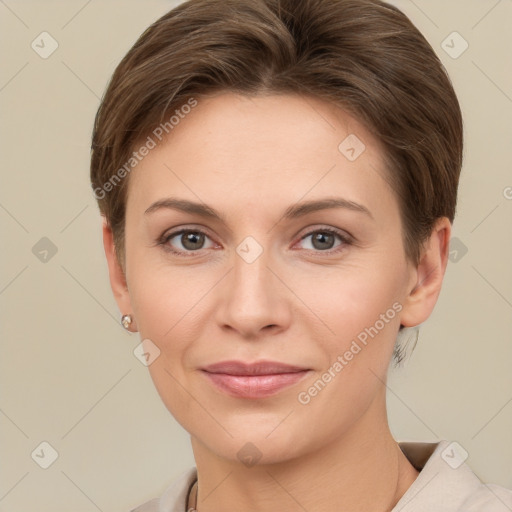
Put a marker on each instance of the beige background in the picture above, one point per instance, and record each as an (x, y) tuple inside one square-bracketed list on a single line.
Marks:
[(68, 373)]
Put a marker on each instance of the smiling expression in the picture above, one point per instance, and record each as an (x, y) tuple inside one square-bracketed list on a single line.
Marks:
[(252, 235)]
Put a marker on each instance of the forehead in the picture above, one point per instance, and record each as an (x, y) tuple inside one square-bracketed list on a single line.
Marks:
[(279, 148)]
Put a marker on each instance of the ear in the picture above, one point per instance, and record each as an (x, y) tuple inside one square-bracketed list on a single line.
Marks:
[(426, 280), (117, 276)]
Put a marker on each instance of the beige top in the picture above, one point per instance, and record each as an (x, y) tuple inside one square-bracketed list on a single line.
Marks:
[(445, 484)]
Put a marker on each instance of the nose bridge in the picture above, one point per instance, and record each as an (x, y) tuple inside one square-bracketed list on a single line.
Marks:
[(252, 300), (251, 276)]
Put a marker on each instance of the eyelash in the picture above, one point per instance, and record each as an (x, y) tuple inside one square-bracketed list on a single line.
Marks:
[(164, 241)]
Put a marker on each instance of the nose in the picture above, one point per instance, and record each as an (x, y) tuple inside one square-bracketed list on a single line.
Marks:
[(253, 298)]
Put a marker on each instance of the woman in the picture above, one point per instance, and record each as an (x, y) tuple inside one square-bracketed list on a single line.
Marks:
[(278, 181)]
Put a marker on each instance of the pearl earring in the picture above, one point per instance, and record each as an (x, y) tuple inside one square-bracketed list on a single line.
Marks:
[(126, 320)]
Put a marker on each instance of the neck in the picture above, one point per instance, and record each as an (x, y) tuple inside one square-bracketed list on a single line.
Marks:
[(363, 470)]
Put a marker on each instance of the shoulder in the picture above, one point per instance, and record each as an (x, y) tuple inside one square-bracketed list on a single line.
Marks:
[(174, 498), (488, 498), (446, 483), (149, 506)]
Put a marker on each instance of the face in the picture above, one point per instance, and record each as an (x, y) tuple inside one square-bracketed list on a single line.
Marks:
[(274, 275)]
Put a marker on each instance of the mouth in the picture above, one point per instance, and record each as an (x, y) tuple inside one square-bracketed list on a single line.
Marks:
[(253, 380)]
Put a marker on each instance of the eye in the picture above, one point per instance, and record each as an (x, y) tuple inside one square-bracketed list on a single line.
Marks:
[(190, 240), (323, 239)]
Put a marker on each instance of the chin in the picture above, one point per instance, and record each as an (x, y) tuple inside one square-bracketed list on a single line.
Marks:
[(256, 444)]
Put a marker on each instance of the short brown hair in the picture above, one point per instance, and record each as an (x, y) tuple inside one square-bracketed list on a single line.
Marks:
[(364, 56)]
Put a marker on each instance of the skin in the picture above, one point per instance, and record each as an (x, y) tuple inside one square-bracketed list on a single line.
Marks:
[(250, 159)]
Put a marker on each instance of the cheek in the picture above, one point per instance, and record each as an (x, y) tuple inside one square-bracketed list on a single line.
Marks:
[(348, 300), (161, 292), (362, 308), (163, 311), (363, 312), (168, 317)]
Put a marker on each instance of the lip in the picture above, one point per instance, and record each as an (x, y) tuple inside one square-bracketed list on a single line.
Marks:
[(253, 380)]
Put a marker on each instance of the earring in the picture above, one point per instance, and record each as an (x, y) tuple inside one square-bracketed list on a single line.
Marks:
[(126, 320)]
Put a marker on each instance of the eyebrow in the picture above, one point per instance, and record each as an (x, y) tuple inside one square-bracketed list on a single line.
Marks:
[(292, 212)]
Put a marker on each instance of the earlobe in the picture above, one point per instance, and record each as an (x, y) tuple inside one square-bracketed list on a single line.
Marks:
[(116, 274), (429, 275)]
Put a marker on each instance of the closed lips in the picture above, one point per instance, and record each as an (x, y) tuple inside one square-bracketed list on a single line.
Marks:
[(253, 381), (241, 368)]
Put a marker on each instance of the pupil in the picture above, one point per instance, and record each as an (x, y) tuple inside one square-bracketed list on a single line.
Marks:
[(320, 237), (191, 238)]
